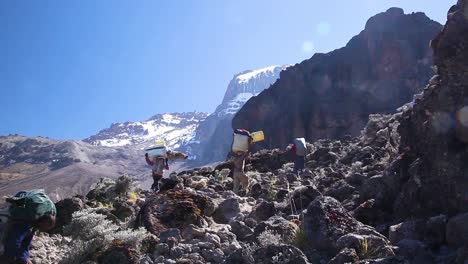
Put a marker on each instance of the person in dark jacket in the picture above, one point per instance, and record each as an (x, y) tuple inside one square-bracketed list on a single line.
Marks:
[(18, 238)]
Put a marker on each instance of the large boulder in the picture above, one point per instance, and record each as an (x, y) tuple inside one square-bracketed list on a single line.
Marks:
[(330, 228), (173, 209), (430, 231), (345, 256), (457, 230), (326, 221), (303, 196), (263, 210), (226, 210), (65, 210), (240, 229)]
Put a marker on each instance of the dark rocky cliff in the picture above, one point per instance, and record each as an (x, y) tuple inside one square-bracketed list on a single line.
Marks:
[(331, 95), (435, 132)]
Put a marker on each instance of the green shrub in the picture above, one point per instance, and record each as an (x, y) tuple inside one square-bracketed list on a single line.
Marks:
[(299, 238)]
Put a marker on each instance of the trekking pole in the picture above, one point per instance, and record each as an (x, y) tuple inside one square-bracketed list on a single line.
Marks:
[(291, 201)]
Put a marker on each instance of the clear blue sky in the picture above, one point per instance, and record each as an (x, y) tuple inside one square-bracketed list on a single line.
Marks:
[(71, 68)]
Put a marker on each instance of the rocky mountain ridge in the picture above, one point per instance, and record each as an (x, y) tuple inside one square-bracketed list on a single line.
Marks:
[(331, 95)]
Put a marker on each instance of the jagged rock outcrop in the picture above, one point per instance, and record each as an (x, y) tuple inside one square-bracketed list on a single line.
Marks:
[(331, 95), (434, 132)]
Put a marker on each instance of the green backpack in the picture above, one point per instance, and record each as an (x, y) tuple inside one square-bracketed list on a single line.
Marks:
[(30, 205)]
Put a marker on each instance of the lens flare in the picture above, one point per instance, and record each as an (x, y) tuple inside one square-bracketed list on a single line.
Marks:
[(308, 46), (323, 28), (442, 122), (462, 116)]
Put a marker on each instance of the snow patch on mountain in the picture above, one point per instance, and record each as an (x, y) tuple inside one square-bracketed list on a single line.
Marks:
[(235, 104), (268, 71)]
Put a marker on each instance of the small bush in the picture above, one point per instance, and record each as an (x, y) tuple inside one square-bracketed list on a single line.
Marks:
[(123, 185), (365, 248), (299, 238), (269, 237), (133, 197), (93, 233)]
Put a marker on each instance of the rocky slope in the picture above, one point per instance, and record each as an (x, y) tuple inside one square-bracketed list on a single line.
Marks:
[(175, 129), (331, 95), (213, 135)]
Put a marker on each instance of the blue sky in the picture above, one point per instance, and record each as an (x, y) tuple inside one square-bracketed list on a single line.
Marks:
[(71, 68)]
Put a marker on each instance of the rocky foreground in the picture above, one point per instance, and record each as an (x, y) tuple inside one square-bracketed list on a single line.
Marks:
[(395, 194)]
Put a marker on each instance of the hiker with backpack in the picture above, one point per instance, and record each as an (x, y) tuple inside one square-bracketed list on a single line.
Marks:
[(242, 141), (159, 162), (30, 211), (299, 149)]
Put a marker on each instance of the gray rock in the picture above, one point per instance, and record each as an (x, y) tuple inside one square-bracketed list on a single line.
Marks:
[(303, 196), (173, 232), (263, 211), (241, 230), (192, 231), (326, 221), (250, 222), (229, 248), (213, 255), (206, 245), (162, 249), (226, 210), (430, 231), (345, 256), (212, 238), (146, 260), (226, 236), (410, 249), (331, 229), (283, 253), (457, 230)]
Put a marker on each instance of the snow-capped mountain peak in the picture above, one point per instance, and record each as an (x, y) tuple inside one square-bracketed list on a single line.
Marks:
[(213, 136), (245, 85), (175, 129)]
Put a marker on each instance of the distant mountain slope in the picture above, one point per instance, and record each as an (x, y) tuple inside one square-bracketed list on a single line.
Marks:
[(63, 168), (175, 129), (213, 136), (331, 95)]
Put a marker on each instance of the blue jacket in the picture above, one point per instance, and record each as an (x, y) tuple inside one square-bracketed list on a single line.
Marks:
[(18, 240)]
